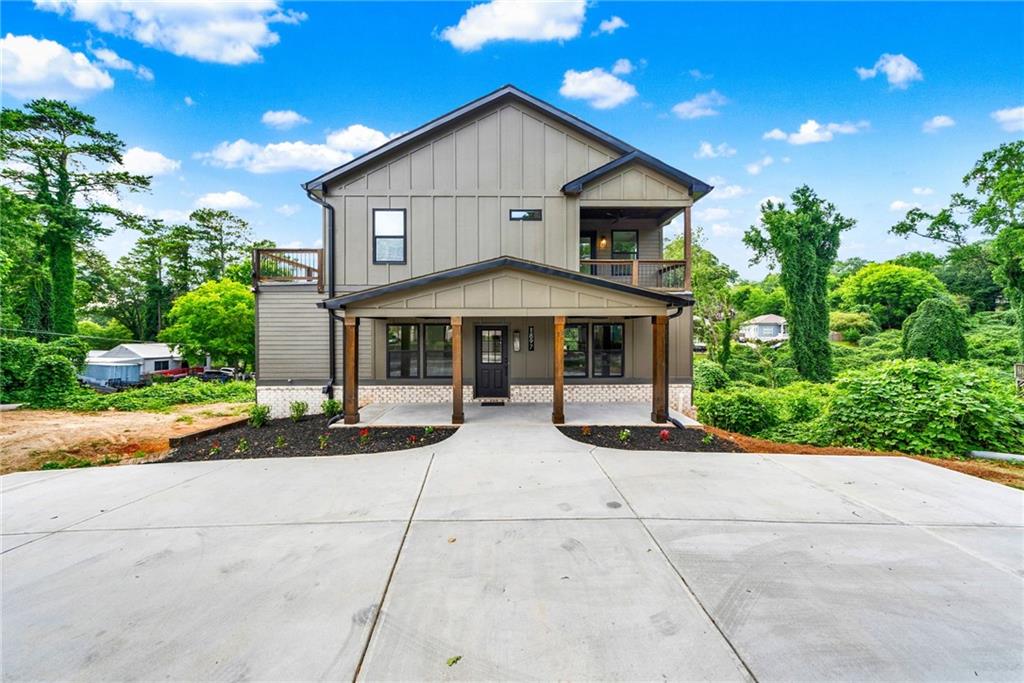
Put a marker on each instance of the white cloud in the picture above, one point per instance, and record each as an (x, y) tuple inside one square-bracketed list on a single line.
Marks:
[(756, 167), (341, 146), (622, 67), (811, 131), (528, 20), (283, 119), (611, 25), (189, 102), (709, 151), (36, 67), (1011, 120), (704, 104), (902, 206), (220, 32), (724, 192), (146, 162), (358, 138), (231, 199), (933, 124), (923, 191), (899, 70), (712, 213), (288, 209), (112, 60), (698, 75), (597, 87)]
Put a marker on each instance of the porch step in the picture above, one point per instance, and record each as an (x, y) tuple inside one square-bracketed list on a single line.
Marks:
[(492, 403)]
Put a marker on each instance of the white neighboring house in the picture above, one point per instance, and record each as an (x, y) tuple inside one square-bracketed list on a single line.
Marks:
[(131, 362), (765, 328)]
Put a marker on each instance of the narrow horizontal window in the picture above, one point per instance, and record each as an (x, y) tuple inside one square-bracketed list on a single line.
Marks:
[(437, 340), (403, 355), (525, 214), (575, 349), (389, 236), (609, 349)]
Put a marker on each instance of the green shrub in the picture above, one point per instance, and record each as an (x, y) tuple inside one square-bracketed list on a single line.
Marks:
[(75, 350), (890, 292), (330, 407), (743, 411), (258, 415), (851, 326), (298, 410), (162, 396), (919, 406), (935, 331), (17, 358), (709, 376), (800, 401), (52, 381)]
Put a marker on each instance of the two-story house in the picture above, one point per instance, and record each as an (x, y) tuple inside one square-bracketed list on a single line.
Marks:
[(505, 251)]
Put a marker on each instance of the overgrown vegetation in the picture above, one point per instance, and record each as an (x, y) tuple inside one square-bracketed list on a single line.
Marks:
[(159, 397)]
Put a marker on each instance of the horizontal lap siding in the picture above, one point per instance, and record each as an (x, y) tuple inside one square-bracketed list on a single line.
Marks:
[(292, 334)]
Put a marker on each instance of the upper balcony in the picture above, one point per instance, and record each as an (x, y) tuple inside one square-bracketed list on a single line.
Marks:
[(650, 273), (288, 266)]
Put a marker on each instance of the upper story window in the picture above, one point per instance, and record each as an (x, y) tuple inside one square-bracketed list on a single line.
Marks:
[(525, 214), (389, 239), (625, 244)]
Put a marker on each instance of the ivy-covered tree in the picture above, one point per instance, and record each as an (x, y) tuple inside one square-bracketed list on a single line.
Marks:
[(55, 155), (22, 275), (935, 331), (804, 242)]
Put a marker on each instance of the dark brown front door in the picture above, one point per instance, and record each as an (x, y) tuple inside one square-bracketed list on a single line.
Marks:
[(492, 361)]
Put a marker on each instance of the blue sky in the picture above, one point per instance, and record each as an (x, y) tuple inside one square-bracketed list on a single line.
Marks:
[(774, 90)]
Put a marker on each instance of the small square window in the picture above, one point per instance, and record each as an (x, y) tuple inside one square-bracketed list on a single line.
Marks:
[(389, 238), (525, 214)]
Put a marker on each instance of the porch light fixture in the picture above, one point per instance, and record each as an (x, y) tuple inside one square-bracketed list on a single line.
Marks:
[(515, 340), (603, 242)]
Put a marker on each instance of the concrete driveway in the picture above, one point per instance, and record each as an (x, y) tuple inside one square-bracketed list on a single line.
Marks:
[(527, 555)]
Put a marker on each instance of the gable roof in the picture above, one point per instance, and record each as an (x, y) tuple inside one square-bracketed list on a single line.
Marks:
[(340, 302), (146, 351), (767, 319), (698, 188), (506, 92)]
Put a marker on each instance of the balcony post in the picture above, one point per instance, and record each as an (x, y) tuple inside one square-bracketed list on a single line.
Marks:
[(558, 383), (659, 388), (687, 249), (351, 386), (458, 417)]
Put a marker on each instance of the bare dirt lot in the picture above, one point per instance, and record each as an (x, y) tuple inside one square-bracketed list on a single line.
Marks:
[(30, 438)]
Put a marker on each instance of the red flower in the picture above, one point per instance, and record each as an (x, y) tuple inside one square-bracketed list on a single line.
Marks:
[(664, 435), (364, 432)]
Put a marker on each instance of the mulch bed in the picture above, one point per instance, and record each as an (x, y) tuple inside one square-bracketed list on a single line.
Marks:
[(649, 439), (310, 436)]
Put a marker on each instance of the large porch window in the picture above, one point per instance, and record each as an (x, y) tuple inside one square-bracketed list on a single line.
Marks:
[(609, 349), (437, 355), (403, 350), (576, 350)]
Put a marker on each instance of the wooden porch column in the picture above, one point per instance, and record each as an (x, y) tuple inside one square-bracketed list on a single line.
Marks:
[(457, 415), (558, 385), (687, 250), (351, 371), (659, 389)]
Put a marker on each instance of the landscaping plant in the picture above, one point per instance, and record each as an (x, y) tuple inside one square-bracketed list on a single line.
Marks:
[(242, 446), (364, 436), (664, 435), (624, 435), (322, 440), (297, 410), (330, 407), (258, 415), (708, 375)]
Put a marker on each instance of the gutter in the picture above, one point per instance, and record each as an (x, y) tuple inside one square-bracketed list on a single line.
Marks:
[(329, 257)]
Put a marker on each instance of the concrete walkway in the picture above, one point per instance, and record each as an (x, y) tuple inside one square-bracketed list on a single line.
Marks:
[(527, 555), (593, 414)]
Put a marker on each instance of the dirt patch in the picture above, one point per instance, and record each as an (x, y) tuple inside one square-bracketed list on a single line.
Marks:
[(310, 436), (31, 438), (1008, 474), (650, 439)]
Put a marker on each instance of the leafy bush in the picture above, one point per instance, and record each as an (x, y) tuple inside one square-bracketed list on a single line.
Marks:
[(709, 376), (330, 407), (852, 326), (935, 331), (744, 411), (52, 381), (919, 406), (890, 292), (75, 350), (258, 415), (162, 396), (17, 358), (298, 409)]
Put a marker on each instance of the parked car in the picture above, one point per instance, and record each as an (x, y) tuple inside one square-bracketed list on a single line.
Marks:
[(214, 376)]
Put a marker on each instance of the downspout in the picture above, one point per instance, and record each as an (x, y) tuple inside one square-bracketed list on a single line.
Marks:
[(329, 254)]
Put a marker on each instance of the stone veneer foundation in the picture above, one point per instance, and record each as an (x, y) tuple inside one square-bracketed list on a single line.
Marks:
[(280, 397)]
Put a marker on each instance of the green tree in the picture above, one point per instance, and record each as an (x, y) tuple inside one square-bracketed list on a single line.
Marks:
[(935, 331), (804, 242), (218, 319), (1008, 250), (754, 300), (844, 269), (221, 238), (852, 326), (106, 336), (22, 276), (55, 155), (967, 271), (889, 292), (925, 260)]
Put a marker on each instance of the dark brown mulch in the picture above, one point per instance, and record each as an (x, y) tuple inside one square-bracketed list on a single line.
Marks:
[(287, 439), (649, 439)]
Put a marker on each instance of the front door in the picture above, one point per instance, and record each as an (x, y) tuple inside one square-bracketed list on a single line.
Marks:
[(492, 361)]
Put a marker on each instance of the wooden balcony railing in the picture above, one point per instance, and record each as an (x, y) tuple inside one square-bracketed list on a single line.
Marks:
[(649, 273), (288, 265)]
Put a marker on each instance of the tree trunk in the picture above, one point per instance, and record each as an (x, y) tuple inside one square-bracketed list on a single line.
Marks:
[(62, 291)]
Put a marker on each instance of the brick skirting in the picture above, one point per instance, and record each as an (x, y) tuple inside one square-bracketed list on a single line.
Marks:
[(280, 397)]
